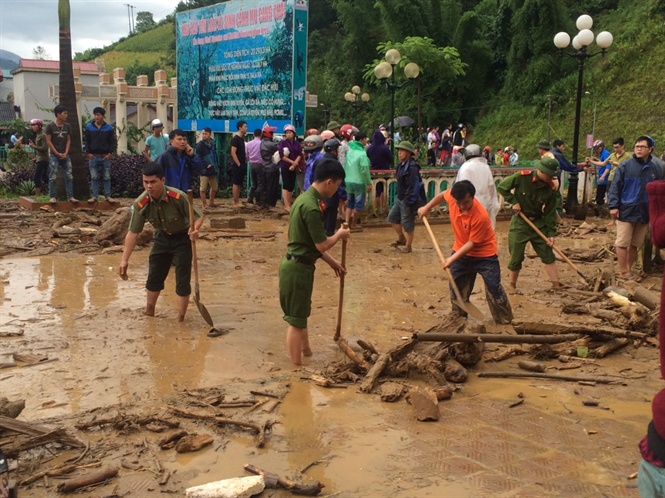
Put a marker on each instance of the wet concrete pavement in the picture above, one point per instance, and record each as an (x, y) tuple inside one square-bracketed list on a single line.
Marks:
[(75, 309)]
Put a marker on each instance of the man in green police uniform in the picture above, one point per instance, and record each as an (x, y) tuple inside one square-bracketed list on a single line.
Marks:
[(534, 194), (307, 243), (167, 209)]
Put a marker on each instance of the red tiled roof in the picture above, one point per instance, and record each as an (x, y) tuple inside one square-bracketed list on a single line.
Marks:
[(54, 65)]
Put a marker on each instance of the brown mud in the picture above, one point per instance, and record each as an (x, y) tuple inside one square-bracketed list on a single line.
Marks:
[(107, 360)]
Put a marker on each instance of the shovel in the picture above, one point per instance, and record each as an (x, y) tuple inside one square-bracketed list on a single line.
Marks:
[(466, 306), (556, 249), (581, 211), (202, 309), (338, 329)]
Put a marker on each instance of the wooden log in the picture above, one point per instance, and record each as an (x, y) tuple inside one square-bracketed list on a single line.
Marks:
[(453, 371), (645, 297), (87, 480), (505, 354), (343, 344), (193, 442), (526, 375), (367, 346), (261, 430), (609, 347), (59, 470), (531, 366), (169, 440), (524, 327), (297, 489), (501, 338), (271, 480), (368, 382)]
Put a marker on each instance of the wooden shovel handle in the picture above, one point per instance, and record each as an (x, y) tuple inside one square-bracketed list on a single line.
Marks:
[(555, 248), (453, 284), (338, 328), (190, 198)]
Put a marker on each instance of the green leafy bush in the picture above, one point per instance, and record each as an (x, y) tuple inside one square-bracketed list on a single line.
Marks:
[(26, 187), (18, 157), (14, 177)]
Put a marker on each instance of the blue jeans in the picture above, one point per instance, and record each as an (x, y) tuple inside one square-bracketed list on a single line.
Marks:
[(66, 164), (464, 271), (94, 164)]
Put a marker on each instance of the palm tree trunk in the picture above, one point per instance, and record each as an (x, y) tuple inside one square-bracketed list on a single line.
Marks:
[(68, 99)]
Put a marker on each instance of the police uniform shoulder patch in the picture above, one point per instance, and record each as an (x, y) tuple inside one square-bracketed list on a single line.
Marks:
[(173, 194), (142, 202), (525, 172)]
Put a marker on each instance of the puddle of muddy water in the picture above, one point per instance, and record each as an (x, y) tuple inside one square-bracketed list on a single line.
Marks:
[(76, 310)]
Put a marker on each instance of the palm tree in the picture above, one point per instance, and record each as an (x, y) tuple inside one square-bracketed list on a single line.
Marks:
[(68, 99)]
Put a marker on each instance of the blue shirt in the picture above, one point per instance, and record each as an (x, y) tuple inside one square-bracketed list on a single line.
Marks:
[(601, 171)]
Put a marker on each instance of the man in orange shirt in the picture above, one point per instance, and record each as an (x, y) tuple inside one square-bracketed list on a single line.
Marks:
[(474, 250)]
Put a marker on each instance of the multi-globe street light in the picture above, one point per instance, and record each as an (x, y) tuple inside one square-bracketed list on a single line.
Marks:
[(385, 71), (581, 43), (356, 100)]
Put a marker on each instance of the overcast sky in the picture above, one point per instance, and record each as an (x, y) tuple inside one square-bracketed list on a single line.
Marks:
[(25, 24)]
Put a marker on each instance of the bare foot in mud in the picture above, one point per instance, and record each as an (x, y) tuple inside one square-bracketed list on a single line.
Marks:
[(306, 352), (149, 310)]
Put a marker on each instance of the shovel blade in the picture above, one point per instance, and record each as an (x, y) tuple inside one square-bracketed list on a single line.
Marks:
[(470, 309), (203, 310)]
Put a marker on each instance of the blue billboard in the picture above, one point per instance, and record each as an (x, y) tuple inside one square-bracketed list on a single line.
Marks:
[(242, 60)]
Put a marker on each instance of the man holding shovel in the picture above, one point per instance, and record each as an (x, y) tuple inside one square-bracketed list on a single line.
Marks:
[(474, 250), (532, 193), (167, 210), (307, 243)]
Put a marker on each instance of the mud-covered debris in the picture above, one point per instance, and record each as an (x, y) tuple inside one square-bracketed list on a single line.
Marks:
[(425, 403), (391, 391), (193, 442)]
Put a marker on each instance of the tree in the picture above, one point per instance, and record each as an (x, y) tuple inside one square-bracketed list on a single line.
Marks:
[(39, 52), (68, 99), (144, 21), (440, 68)]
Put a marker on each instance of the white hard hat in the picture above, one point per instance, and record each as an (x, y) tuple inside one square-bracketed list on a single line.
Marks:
[(157, 122)]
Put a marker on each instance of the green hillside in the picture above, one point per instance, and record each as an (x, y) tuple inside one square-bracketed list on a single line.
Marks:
[(139, 53), (625, 86), (512, 71)]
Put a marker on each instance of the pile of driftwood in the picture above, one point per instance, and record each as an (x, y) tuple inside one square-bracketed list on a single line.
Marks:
[(193, 419), (441, 355)]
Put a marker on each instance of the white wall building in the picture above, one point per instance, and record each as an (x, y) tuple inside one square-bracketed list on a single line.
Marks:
[(32, 79)]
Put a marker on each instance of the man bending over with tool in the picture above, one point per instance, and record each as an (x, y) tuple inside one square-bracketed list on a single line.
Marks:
[(167, 210), (307, 243), (474, 250)]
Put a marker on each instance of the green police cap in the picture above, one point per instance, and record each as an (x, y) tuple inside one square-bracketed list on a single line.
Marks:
[(548, 165)]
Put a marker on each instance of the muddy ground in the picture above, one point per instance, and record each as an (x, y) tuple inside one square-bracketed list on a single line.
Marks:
[(108, 369)]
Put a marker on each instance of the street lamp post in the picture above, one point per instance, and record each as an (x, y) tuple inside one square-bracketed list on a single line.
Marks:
[(384, 71), (352, 98), (593, 125), (581, 43), (326, 114)]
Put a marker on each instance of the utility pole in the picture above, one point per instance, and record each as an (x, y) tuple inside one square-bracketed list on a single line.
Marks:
[(129, 18), (133, 23)]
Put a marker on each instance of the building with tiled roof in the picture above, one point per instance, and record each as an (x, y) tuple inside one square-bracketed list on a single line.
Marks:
[(31, 82)]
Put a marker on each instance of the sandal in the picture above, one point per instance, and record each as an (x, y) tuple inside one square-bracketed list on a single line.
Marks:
[(398, 243)]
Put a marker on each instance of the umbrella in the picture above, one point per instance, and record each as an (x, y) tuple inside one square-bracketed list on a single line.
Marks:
[(403, 121)]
